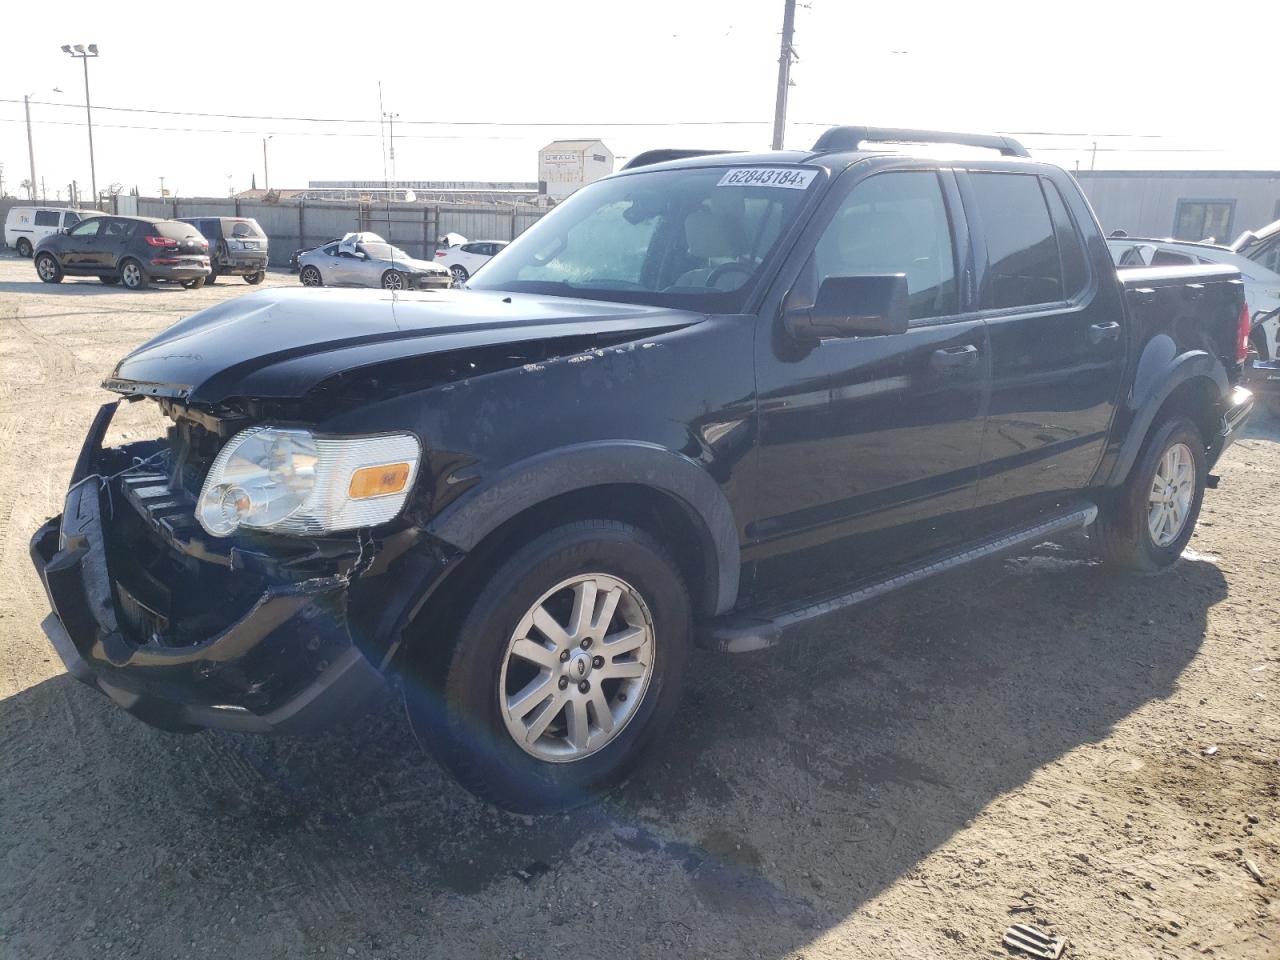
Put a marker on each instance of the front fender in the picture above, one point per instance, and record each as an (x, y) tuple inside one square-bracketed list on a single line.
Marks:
[(516, 488), (1161, 371)]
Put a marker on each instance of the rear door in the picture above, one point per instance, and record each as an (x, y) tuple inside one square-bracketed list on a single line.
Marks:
[(113, 242), (869, 448), (1057, 340)]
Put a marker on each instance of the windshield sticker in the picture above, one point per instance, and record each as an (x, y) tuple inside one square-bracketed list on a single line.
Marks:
[(788, 177)]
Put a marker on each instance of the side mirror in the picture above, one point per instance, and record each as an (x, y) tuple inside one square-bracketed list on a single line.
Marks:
[(869, 305)]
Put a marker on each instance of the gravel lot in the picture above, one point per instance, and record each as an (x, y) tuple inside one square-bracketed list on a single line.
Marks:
[(1022, 742)]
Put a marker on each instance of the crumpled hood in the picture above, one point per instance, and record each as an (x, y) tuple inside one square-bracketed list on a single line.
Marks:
[(280, 343)]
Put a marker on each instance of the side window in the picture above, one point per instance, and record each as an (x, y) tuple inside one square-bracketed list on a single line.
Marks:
[(46, 218), (472, 248), (1132, 257), (1167, 258), (331, 250), (119, 229), (70, 218), (1075, 268), (87, 228), (895, 223), (1022, 253)]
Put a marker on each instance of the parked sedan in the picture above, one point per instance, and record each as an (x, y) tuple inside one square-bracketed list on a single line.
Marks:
[(356, 262), (134, 251), (466, 258)]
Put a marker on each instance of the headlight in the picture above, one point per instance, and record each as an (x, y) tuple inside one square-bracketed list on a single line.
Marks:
[(290, 481)]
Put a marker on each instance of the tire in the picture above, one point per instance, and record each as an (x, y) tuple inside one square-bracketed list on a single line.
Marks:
[(195, 284), (394, 280), (212, 278), (1125, 527), (253, 279), (48, 269), (132, 276), (110, 281), (459, 272), (24, 247), (309, 276), (456, 698)]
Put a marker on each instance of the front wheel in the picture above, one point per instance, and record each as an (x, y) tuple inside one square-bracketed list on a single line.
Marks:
[(562, 671), (1148, 525), (310, 277), (254, 278), (48, 269), (24, 247), (393, 280)]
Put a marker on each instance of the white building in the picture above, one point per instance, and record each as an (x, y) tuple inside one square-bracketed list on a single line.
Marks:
[(1183, 204), (566, 165)]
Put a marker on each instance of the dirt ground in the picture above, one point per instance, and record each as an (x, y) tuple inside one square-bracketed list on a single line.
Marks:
[(1027, 741)]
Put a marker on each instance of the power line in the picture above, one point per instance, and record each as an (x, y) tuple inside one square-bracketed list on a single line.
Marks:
[(258, 133), (429, 123)]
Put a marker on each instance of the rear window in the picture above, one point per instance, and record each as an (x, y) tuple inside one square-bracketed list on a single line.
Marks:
[(241, 228), (1022, 251), (176, 230)]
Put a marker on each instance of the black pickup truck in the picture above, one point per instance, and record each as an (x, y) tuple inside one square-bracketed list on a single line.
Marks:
[(703, 400)]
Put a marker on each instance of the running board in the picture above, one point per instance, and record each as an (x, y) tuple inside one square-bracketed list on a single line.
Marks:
[(744, 632)]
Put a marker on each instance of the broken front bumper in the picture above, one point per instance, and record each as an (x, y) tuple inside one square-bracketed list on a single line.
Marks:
[(286, 664)]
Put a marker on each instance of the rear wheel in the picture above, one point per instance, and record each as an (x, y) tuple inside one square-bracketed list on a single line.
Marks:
[(310, 277), (195, 284), (459, 272), (563, 669), (1154, 514), (393, 280), (24, 247), (48, 269), (132, 275), (254, 278)]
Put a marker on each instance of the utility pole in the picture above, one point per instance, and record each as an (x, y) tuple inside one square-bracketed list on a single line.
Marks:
[(31, 150), (80, 53), (785, 59), (162, 186), (1093, 156), (43, 195), (266, 171), (391, 123)]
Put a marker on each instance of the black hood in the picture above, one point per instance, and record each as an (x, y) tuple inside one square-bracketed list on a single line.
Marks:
[(282, 343)]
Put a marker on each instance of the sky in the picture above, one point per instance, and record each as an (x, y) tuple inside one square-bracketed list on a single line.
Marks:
[(479, 86)]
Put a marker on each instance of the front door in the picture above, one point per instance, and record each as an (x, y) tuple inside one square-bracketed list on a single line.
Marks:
[(82, 245), (869, 447), (1057, 343)]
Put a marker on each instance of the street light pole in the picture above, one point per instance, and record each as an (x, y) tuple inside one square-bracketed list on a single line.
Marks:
[(79, 52), (31, 150), (266, 171)]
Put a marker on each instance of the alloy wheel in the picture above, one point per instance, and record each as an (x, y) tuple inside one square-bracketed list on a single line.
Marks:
[(576, 667), (46, 267), (1172, 490), (393, 281), (131, 275), (310, 277)]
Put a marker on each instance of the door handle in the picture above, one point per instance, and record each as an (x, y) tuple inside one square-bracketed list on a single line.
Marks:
[(953, 359), (1104, 331)]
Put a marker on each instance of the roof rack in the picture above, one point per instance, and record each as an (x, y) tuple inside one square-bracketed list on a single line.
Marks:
[(850, 138), (650, 157)]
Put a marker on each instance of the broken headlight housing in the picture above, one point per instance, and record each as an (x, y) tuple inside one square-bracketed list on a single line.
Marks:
[(288, 480)]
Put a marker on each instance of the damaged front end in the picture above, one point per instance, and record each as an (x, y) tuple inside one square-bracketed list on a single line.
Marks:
[(254, 633)]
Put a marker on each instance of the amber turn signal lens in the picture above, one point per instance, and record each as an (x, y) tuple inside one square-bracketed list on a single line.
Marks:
[(378, 481)]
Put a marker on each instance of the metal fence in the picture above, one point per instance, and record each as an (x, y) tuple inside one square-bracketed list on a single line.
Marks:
[(291, 224)]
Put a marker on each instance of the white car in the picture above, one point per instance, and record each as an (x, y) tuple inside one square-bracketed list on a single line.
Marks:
[(1258, 260), (27, 226), (466, 258), (366, 260)]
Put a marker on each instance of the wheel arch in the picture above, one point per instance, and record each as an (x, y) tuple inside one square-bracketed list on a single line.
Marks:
[(1191, 383), (641, 483)]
